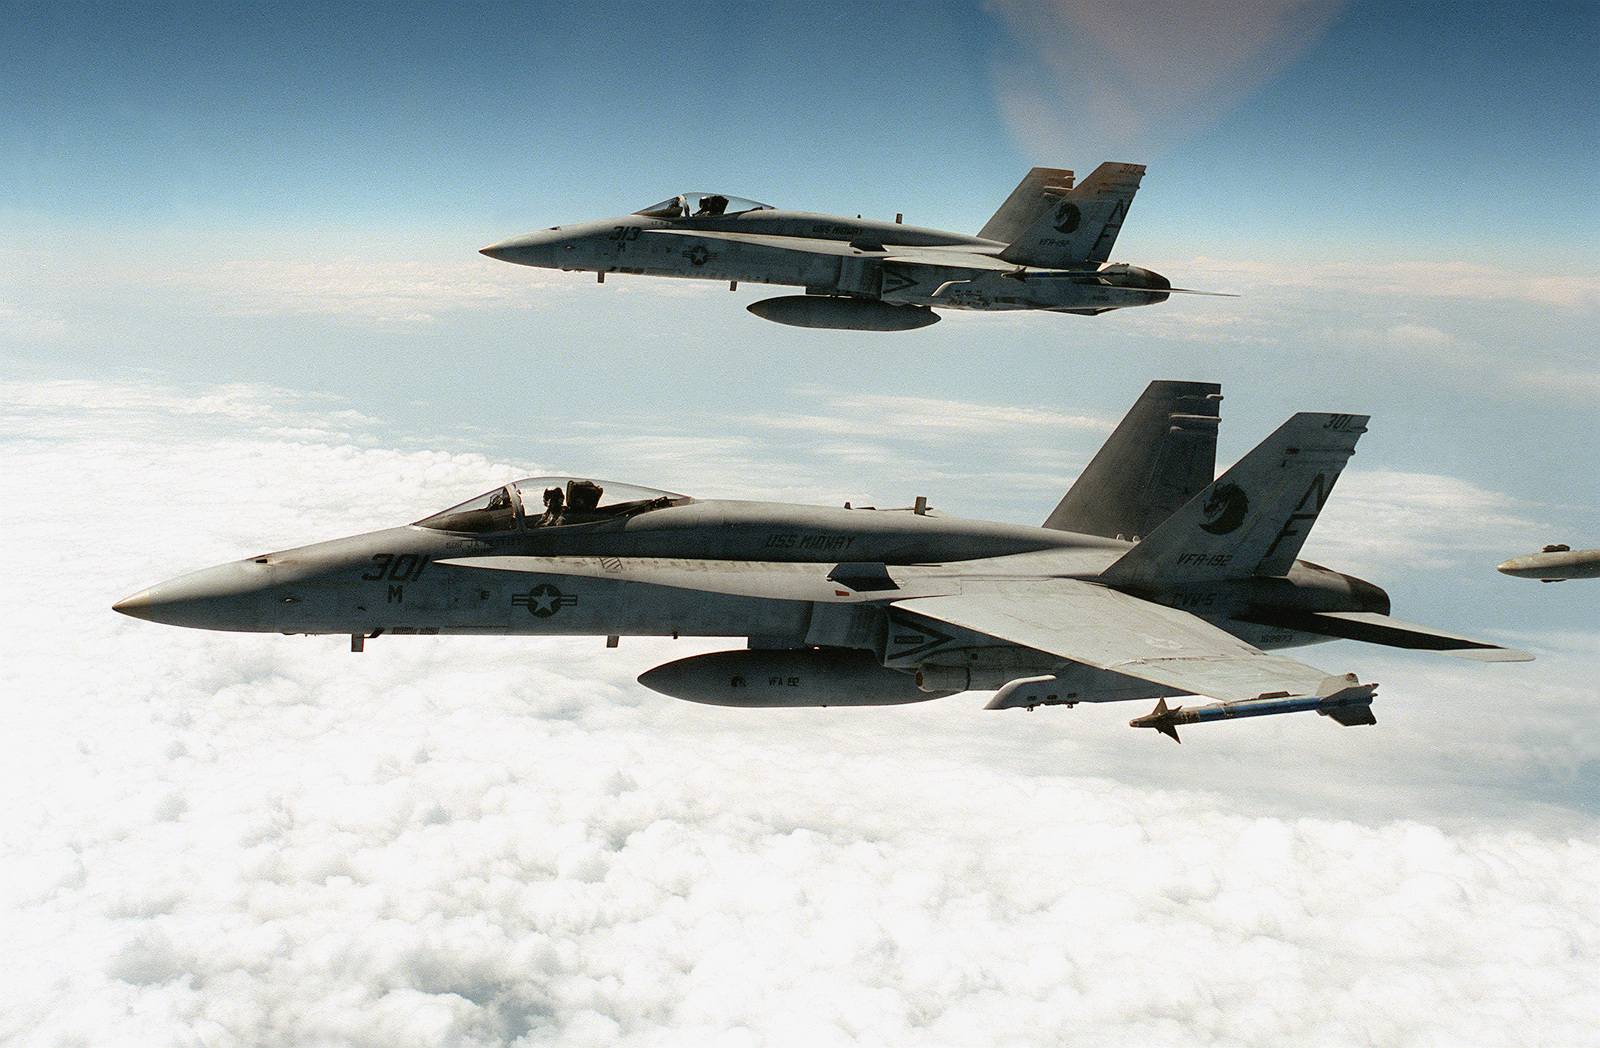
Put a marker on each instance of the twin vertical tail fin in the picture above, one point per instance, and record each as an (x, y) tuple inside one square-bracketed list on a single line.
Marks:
[(1041, 190), (1253, 519), (1079, 228), (1160, 456)]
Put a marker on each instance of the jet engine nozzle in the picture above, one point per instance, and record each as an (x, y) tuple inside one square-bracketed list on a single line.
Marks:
[(1123, 275), (1367, 596)]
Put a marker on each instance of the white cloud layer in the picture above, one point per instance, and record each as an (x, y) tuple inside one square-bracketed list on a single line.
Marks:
[(256, 840), (1418, 522), (1569, 289)]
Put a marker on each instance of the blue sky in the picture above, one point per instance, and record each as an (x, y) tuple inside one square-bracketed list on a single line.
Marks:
[(1403, 195), (396, 115), (241, 307)]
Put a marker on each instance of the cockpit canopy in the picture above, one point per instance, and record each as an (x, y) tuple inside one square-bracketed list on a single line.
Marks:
[(702, 205), (547, 502)]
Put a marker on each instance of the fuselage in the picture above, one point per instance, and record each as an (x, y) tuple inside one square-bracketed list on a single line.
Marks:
[(410, 578), (666, 565)]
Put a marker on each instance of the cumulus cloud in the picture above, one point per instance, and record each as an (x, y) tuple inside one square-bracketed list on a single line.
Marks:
[(239, 839), (925, 419), (1426, 522)]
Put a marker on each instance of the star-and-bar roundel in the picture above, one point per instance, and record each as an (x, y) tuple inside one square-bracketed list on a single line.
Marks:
[(543, 601)]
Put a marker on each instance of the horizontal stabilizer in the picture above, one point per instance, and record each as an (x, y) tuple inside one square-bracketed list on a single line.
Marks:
[(1373, 628)]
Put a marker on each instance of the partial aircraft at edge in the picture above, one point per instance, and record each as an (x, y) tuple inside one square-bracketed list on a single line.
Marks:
[(1046, 248), (1554, 564), (1149, 580)]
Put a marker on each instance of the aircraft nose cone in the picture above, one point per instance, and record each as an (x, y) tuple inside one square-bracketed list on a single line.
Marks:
[(529, 249), (137, 605), (226, 597), (1535, 566)]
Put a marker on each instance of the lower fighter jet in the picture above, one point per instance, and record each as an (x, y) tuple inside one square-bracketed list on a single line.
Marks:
[(1555, 564), (1149, 580), (1048, 247)]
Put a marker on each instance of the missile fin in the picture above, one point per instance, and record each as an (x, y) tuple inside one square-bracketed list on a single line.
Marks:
[(1161, 719)]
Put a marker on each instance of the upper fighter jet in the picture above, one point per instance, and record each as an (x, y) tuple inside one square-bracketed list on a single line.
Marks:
[(1046, 248), (1149, 580), (1555, 564)]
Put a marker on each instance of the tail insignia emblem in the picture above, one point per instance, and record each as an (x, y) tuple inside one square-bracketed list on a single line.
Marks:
[(1068, 217), (1225, 509)]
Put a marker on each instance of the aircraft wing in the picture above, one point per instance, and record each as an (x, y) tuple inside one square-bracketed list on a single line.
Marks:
[(1373, 628), (961, 257), (1110, 630)]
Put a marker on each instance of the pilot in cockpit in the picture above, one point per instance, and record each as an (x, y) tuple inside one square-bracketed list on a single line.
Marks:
[(583, 496), (553, 501), (711, 206)]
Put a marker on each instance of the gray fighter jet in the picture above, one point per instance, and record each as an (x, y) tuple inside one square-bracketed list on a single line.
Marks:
[(1555, 564), (1046, 248), (1149, 580)]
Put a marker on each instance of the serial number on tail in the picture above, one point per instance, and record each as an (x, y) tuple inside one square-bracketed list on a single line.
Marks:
[(1209, 560)]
